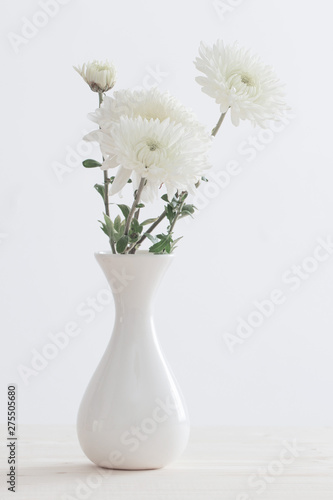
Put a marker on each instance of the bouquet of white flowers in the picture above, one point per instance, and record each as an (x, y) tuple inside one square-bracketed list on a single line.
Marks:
[(155, 143)]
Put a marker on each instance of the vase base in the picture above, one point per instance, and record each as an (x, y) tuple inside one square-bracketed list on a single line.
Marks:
[(128, 469)]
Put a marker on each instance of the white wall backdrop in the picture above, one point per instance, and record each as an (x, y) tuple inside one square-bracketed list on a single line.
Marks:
[(264, 233)]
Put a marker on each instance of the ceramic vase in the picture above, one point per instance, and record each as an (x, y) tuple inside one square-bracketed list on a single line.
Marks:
[(133, 415)]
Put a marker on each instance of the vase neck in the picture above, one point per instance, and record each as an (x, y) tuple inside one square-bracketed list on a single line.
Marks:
[(133, 280)]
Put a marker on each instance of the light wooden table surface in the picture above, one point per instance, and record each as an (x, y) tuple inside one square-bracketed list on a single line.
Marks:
[(220, 463)]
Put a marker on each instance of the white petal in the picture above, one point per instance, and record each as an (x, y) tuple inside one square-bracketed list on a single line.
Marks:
[(93, 136), (121, 179), (171, 191), (110, 163), (234, 118)]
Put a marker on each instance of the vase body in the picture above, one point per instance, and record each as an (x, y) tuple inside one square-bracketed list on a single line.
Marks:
[(133, 415)]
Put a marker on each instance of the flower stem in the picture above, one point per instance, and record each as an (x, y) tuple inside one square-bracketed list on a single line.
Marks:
[(149, 230), (135, 203), (180, 207), (106, 183), (218, 125), (106, 180)]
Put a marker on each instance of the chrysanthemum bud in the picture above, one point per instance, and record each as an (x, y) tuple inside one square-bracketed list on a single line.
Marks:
[(100, 76)]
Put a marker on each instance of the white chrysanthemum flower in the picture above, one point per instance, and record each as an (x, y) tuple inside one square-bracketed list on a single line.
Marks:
[(150, 133), (148, 104), (238, 80), (161, 152), (100, 76)]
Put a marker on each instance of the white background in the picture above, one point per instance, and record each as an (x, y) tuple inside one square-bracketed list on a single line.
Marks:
[(236, 251)]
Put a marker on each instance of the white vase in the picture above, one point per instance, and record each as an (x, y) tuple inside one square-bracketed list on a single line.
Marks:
[(133, 415)]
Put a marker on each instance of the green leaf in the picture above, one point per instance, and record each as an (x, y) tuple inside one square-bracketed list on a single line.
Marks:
[(111, 179), (185, 214), (133, 237), (100, 189), (157, 248), (104, 228), (121, 229), (117, 223), (129, 181), (165, 198), (108, 227), (173, 244), (164, 245), (152, 238), (136, 226), (203, 178), (91, 164), (148, 221), (135, 230), (187, 210), (122, 244), (140, 205), (125, 210), (170, 213)]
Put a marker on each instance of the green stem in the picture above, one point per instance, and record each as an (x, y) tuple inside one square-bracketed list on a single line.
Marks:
[(106, 183), (106, 180), (149, 230), (135, 203), (218, 125), (180, 207)]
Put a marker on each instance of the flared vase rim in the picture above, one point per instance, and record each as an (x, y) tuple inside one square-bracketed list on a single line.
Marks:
[(138, 253)]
